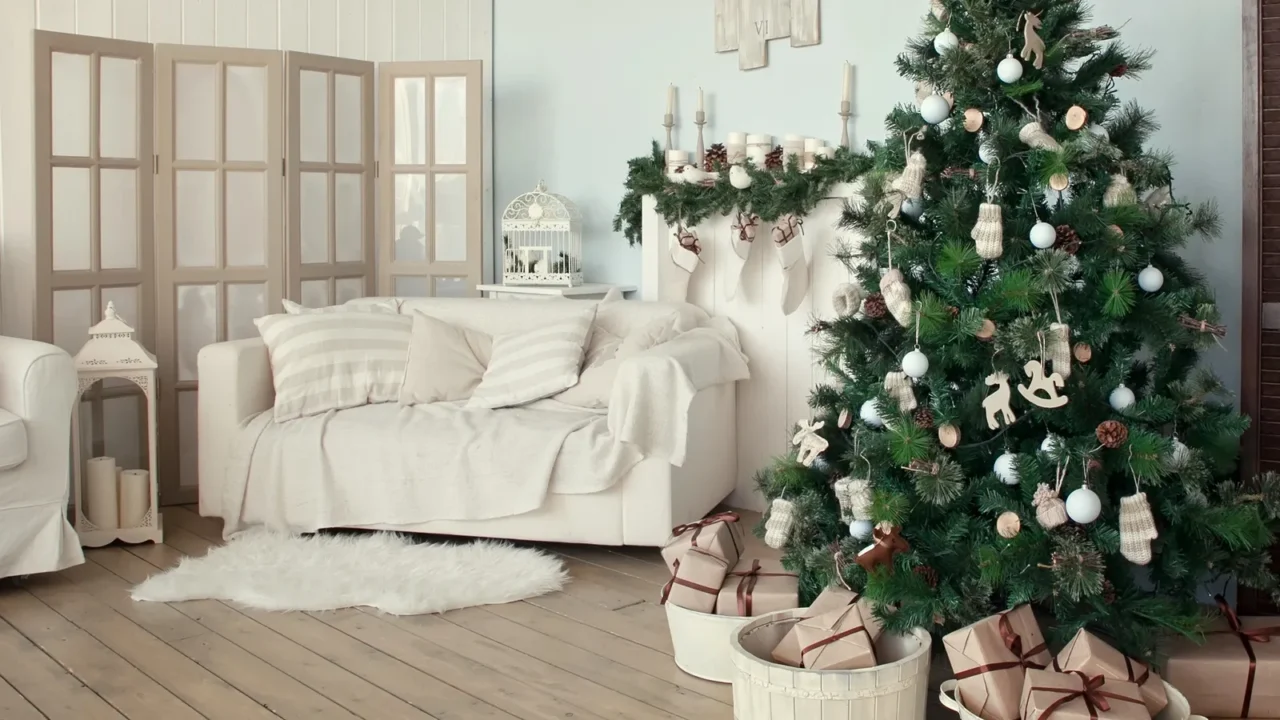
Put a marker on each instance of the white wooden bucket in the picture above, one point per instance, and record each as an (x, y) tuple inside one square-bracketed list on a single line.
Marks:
[(1177, 709), (701, 642), (897, 689)]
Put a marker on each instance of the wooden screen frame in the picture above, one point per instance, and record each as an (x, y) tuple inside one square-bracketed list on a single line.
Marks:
[(95, 279), (169, 276), (1251, 240), (388, 267), (298, 272)]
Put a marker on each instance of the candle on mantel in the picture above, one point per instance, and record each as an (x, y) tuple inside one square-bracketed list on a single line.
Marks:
[(701, 107), (847, 87), (671, 99)]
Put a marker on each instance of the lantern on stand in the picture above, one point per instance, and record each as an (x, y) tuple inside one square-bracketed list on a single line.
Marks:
[(542, 240), (114, 503)]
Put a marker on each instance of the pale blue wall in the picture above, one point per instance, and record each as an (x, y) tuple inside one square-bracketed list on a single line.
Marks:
[(579, 88)]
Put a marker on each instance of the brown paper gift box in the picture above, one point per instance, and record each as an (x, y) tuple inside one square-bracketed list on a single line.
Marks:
[(991, 656), (838, 640), (757, 587), (1220, 678), (833, 598), (696, 582), (1090, 655), (1073, 696), (720, 535)]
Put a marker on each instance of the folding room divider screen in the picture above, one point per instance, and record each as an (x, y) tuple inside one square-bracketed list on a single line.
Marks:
[(256, 181)]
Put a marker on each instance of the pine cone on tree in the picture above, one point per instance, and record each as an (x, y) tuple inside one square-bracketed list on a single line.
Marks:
[(1068, 240), (773, 160), (1108, 592), (874, 306), (924, 418), (953, 311), (928, 574), (717, 157), (1113, 434)]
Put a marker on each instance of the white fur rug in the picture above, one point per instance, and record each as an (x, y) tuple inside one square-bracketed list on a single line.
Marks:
[(271, 571)]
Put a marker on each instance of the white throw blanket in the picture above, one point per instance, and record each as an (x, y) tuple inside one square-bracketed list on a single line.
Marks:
[(391, 465)]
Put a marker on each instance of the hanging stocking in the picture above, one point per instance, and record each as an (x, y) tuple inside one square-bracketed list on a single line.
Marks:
[(777, 529), (898, 385), (897, 296), (742, 237), (1034, 135), (1119, 192), (795, 269), (684, 252), (1058, 349), (988, 233), (1137, 529)]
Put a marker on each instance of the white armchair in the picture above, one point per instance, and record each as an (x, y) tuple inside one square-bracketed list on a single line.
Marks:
[(37, 396)]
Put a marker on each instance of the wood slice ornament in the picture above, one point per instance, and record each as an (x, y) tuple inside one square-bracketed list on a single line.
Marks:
[(1042, 391), (949, 436), (1077, 118), (1083, 353), (1008, 525), (974, 119), (1059, 182), (987, 331)]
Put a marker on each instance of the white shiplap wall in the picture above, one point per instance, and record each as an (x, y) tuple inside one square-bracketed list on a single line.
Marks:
[(376, 30)]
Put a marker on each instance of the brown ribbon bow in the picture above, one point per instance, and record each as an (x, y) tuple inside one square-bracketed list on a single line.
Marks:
[(746, 223), (747, 585), (1013, 641), (696, 527), (1095, 698), (676, 580), (1247, 638)]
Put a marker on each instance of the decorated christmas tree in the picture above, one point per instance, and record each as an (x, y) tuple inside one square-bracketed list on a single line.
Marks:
[(1016, 410)]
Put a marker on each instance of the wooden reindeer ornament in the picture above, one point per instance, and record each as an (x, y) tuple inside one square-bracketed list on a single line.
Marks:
[(888, 542), (997, 403), (1033, 45), (809, 442)]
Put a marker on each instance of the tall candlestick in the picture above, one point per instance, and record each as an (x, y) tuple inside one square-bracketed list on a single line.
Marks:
[(847, 86), (700, 119), (845, 113), (669, 120)]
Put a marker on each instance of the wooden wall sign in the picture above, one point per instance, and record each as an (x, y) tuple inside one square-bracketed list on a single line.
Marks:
[(747, 26)]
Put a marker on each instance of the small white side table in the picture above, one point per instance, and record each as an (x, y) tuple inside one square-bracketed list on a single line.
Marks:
[(590, 291)]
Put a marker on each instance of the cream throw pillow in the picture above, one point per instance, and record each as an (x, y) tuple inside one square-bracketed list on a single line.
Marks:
[(446, 362), (382, 306), (534, 364)]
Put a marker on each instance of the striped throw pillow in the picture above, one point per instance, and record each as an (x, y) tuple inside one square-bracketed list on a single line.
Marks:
[(331, 361), (534, 364)]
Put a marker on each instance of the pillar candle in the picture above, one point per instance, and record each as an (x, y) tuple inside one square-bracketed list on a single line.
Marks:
[(701, 105), (736, 146), (671, 99), (676, 158), (135, 497), (846, 88), (100, 493), (758, 146)]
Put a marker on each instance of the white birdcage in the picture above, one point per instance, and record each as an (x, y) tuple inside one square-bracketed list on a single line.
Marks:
[(542, 240)]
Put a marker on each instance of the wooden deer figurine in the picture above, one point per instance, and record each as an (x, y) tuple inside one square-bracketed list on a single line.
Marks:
[(997, 403), (888, 542), (1033, 45)]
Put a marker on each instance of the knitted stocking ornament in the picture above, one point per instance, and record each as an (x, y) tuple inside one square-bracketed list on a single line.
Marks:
[(897, 296), (1137, 529), (1034, 135), (1050, 510), (898, 385), (777, 529), (847, 299), (988, 233), (1119, 192), (1058, 349), (911, 182)]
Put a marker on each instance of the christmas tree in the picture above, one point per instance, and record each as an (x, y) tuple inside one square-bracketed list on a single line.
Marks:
[(1015, 410)]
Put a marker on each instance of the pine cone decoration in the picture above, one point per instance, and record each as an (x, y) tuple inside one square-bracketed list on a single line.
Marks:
[(773, 160), (874, 306), (924, 418), (717, 157), (1113, 434), (1108, 592), (953, 311), (928, 574), (1068, 240)]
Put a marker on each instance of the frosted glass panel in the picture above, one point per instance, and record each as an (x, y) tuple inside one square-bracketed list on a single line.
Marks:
[(118, 108), (313, 115), (411, 217), (451, 121), (125, 300), (195, 107), (347, 289), (188, 460), (347, 109), (246, 113), (118, 227), (70, 90), (72, 317), (195, 217), (411, 121), (412, 286), (451, 218), (246, 302), (452, 287), (123, 430), (246, 219), (314, 223), (347, 221), (315, 293), (197, 325), (71, 211)]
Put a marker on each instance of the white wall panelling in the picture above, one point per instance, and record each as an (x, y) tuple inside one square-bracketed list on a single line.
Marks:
[(783, 371)]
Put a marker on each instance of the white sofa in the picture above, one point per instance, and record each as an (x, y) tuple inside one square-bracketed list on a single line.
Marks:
[(37, 395), (639, 508)]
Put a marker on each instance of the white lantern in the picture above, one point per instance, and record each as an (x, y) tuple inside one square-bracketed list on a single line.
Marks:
[(542, 240), (111, 352)]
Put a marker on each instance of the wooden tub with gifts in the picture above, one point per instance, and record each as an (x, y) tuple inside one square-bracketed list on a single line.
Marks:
[(1177, 709), (895, 689)]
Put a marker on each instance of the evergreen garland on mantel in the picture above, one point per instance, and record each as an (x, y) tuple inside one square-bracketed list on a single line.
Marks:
[(773, 193)]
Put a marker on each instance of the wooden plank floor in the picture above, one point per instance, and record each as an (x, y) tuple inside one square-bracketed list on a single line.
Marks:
[(74, 645)]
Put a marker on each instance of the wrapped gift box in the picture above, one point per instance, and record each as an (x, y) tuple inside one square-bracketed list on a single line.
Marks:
[(719, 535), (696, 582), (757, 587), (1073, 696), (838, 640), (1235, 673), (833, 598), (1090, 655), (990, 658)]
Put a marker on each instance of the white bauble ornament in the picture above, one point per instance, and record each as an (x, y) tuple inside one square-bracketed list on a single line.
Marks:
[(987, 152), (1006, 469), (1083, 505), (1050, 444), (1044, 235), (915, 364), (946, 40), (1009, 70), (1122, 397), (861, 529), (1180, 455), (913, 208), (1099, 131), (870, 414), (935, 109), (739, 177), (1151, 279)]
